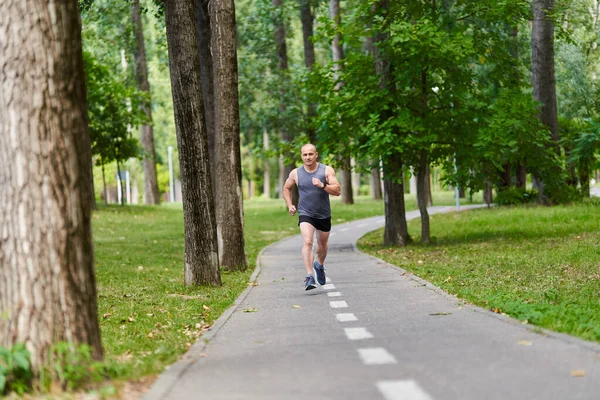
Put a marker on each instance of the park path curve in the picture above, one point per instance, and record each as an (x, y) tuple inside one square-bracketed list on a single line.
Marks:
[(374, 332)]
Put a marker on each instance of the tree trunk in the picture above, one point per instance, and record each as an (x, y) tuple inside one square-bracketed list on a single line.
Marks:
[(428, 196), (151, 194), (521, 181), (487, 194), (47, 277), (230, 209), (422, 189), (376, 184), (338, 59), (584, 179), (200, 224), (395, 231), (120, 185), (309, 59), (267, 173), (282, 64), (542, 60), (206, 74)]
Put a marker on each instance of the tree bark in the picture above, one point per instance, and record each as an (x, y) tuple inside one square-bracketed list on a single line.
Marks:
[(338, 59), (200, 223), (230, 210), (309, 59), (267, 165), (207, 77), (376, 184), (47, 277), (422, 189), (151, 194), (521, 182), (543, 76)]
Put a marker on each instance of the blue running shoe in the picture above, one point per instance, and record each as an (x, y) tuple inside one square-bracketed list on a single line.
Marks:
[(320, 270), (309, 283)]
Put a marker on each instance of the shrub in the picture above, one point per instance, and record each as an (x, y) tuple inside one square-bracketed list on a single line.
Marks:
[(514, 196)]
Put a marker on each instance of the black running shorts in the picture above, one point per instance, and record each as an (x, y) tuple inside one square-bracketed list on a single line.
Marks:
[(323, 225)]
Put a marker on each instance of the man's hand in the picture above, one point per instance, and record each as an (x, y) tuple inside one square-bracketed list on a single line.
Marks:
[(317, 182), (292, 210)]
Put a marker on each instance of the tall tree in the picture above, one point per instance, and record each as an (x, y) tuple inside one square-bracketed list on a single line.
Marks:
[(396, 230), (307, 18), (206, 73), (338, 58), (200, 222), (543, 76), (230, 210), (151, 194), (47, 278)]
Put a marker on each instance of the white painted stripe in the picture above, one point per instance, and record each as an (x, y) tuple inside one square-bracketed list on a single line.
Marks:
[(358, 333), (338, 304), (346, 317), (327, 280), (376, 356), (334, 294), (329, 286), (343, 230), (402, 390)]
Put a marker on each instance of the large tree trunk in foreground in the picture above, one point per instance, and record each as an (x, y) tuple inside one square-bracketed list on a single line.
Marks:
[(206, 74), (47, 278), (396, 230), (151, 195), (200, 223), (230, 211), (543, 76)]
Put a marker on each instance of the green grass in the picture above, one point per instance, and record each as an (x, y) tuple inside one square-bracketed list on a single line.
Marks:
[(536, 264)]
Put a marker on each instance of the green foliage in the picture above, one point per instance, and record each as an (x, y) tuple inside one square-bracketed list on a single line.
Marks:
[(15, 369), (515, 196)]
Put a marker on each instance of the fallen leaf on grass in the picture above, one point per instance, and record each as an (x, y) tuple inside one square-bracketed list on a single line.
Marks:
[(441, 313), (250, 310), (205, 307), (252, 283), (496, 310), (578, 373), (106, 315), (524, 343)]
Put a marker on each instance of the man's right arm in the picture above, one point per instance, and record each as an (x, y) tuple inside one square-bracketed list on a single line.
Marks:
[(287, 191)]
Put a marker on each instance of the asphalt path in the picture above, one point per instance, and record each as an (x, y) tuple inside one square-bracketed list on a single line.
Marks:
[(373, 332)]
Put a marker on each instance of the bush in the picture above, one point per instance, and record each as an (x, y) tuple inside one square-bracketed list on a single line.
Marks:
[(514, 196), (15, 370)]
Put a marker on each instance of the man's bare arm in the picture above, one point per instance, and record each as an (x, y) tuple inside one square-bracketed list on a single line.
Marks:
[(287, 191), (333, 186)]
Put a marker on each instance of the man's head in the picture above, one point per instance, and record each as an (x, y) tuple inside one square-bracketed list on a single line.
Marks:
[(309, 154)]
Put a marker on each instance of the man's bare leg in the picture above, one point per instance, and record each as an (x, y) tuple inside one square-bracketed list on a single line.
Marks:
[(322, 246), (308, 233)]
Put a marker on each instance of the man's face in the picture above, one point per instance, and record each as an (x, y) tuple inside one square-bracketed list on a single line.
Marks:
[(309, 154)]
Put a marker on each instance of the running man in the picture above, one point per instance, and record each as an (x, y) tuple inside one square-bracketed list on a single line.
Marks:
[(315, 182)]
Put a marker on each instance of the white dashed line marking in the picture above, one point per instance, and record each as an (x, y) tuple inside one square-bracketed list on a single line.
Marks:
[(334, 294), (358, 333), (338, 304), (329, 286), (402, 390), (346, 317), (376, 356), (327, 280)]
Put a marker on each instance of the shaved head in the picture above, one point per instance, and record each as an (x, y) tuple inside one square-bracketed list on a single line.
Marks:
[(308, 147)]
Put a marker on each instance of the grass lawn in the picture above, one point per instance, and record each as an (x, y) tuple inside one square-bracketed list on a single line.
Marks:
[(536, 264)]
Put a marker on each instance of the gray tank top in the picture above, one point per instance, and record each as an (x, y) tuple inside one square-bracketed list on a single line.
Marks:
[(314, 201)]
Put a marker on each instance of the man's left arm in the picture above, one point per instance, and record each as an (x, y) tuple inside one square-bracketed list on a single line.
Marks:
[(333, 186)]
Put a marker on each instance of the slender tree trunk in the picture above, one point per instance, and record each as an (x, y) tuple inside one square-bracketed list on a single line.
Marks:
[(488, 194), (230, 210), (200, 223), (206, 74), (151, 194), (376, 184), (104, 185), (120, 185), (396, 231), (338, 60), (422, 189), (267, 173), (521, 182), (584, 179), (309, 59), (543, 76), (47, 277), (428, 196), (282, 64)]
